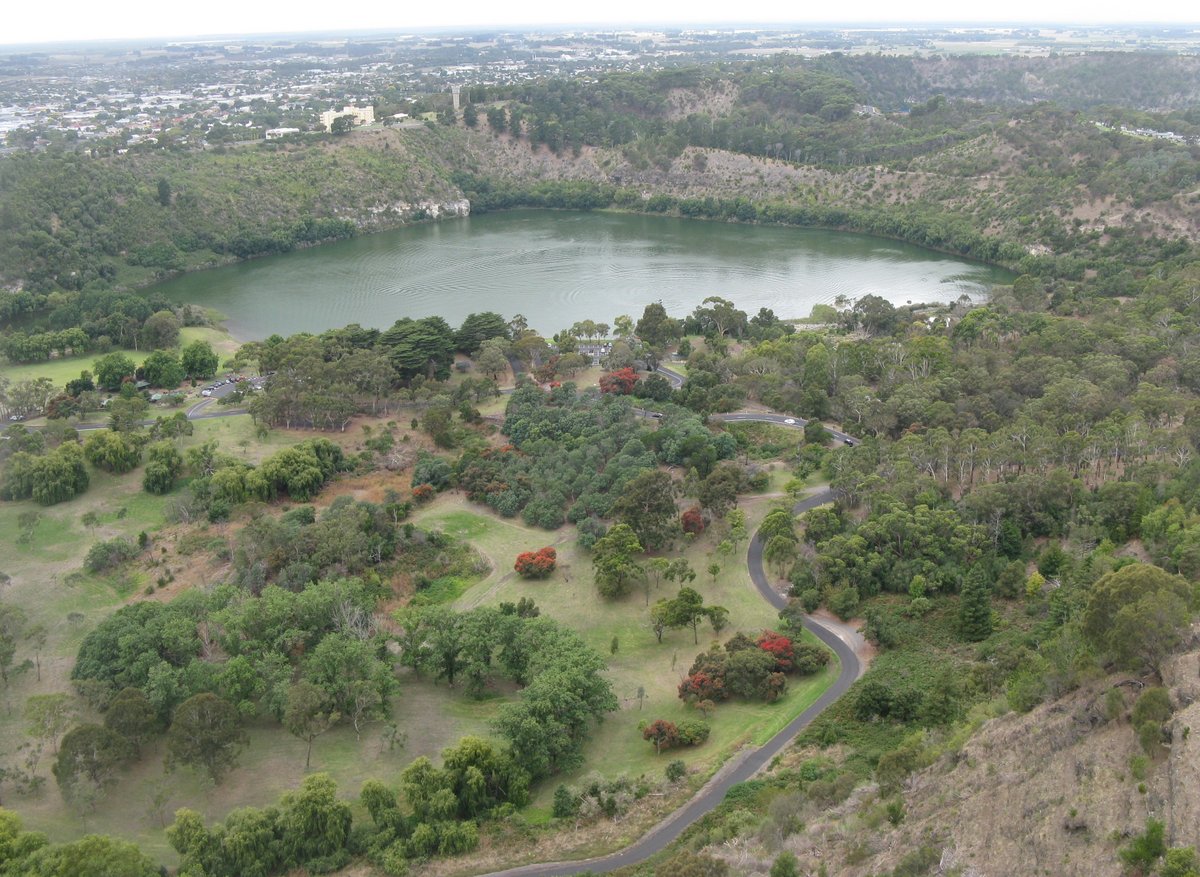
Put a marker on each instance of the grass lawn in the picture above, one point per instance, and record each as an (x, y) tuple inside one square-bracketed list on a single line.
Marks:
[(639, 662)]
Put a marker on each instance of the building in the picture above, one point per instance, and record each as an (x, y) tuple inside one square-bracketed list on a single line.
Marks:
[(362, 116), (276, 133)]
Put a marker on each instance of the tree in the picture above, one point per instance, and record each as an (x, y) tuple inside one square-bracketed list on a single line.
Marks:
[(780, 648), (112, 451), (613, 558), (751, 673), (353, 675), (1180, 862), (160, 330), (132, 716), (198, 359), (719, 491), (620, 382), (12, 629), (164, 464), (420, 348), (308, 715), (780, 552), (687, 610), (205, 732), (975, 606), (163, 369), (662, 734), (692, 521), (656, 328), (496, 119), (1137, 615), (470, 116), (125, 414), (47, 716), (660, 614), (90, 856), (112, 369), (736, 519), (491, 359), (87, 762), (647, 505), (342, 125), (480, 328)]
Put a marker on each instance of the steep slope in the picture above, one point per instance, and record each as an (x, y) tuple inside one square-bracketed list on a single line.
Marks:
[(1056, 791)]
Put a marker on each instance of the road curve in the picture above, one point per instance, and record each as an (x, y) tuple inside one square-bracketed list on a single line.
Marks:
[(744, 766)]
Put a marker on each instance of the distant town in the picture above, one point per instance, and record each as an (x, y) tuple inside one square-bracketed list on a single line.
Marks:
[(108, 97)]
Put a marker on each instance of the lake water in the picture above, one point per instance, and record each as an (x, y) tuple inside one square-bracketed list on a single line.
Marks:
[(558, 268)]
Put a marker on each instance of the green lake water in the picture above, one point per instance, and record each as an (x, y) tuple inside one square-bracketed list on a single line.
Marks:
[(559, 267)]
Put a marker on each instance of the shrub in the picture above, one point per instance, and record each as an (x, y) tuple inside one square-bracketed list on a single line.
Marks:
[(676, 771), (423, 492), (693, 732), (809, 658), (106, 555), (692, 521), (566, 805), (433, 471), (780, 648), (844, 601), (536, 564)]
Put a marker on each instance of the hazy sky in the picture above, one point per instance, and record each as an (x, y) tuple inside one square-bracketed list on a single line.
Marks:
[(87, 19)]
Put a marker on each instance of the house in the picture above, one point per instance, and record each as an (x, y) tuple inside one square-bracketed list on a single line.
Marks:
[(361, 115)]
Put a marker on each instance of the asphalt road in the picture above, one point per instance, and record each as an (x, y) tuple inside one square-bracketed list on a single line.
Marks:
[(744, 766), (674, 377), (200, 411)]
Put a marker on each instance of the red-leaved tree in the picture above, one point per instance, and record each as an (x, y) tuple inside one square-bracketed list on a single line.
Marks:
[(780, 648), (620, 382), (702, 686), (536, 564), (661, 733), (692, 521)]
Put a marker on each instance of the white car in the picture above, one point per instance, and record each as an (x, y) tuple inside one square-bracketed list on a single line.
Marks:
[(206, 392), (790, 421)]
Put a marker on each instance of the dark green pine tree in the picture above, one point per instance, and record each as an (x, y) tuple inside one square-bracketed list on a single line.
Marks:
[(975, 606)]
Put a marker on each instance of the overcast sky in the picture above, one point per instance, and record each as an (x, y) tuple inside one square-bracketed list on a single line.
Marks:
[(25, 22)]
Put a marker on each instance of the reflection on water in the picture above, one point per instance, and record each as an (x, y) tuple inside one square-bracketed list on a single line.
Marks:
[(557, 268)]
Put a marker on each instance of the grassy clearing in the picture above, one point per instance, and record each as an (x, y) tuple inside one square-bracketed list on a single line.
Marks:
[(431, 717), (639, 662), (62, 370), (47, 582)]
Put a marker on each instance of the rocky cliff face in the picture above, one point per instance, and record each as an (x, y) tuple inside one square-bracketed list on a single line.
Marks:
[(1056, 791)]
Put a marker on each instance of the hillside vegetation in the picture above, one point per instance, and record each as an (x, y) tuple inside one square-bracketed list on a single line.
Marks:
[(972, 168)]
